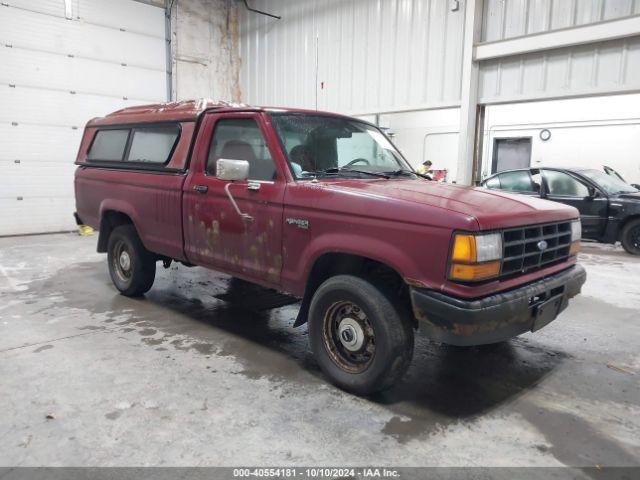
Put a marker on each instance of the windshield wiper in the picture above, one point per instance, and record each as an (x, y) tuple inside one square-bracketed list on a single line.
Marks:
[(335, 170), (404, 171)]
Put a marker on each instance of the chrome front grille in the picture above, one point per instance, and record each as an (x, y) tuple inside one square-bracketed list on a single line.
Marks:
[(534, 246)]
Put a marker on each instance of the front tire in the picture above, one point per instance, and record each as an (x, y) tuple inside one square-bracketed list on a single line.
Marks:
[(631, 237), (131, 266), (360, 339)]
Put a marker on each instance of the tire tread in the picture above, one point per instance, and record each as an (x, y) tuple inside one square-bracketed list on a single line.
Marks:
[(388, 307), (625, 232), (143, 278)]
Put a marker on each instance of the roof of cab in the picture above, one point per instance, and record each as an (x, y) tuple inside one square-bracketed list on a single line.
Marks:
[(186, 110), (159, 112)]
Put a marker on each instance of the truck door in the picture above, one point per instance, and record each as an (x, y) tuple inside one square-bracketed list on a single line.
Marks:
[(564, 188), (216, 234)]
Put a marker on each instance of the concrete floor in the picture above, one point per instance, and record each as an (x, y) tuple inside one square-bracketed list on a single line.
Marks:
[(182, 378)]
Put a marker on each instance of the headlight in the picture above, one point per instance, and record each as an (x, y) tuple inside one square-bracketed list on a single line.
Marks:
[(576, 235), (576, 230), (475, 257)]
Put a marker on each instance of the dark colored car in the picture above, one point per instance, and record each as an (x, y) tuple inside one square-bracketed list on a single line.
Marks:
[(613, 173), (609, 207)]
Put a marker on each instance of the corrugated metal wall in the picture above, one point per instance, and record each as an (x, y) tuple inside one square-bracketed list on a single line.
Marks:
[(582, 70), (354, 56), (371, 56), (504, 19), (597, 68)]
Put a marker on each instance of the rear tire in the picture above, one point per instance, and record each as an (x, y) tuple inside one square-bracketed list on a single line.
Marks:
[(631, 237), (360, 339), (131, 266)]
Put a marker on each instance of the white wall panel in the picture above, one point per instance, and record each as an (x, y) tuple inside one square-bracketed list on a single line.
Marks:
[(52, 107), (427, 135), (600, 68), (24, 29), (138, 18), (504, 19), (61, 144), (35, 69), (355, 56), (585, 132), (130, 16), (36, 214), (55, 8), (56, 74), (35, 179)]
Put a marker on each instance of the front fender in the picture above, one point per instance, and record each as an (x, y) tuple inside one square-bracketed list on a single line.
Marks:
[(353, 244), (393, 256), (417, 253)]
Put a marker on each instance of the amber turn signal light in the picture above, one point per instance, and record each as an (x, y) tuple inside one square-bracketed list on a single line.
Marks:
[(574, 249), (474, 273)]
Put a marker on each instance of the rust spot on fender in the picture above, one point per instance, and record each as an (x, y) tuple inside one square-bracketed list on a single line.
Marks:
[(420, 315), (273, 274), (414, 283)]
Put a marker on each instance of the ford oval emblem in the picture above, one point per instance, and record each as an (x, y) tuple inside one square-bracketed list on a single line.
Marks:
[(542, 245)]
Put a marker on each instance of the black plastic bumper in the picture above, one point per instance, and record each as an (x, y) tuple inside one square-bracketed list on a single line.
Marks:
[(497, 317)]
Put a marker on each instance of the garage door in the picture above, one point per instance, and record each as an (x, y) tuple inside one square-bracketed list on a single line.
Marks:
[(62, 63)]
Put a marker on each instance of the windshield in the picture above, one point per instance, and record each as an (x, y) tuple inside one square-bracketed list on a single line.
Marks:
[(613, 173), (318, 145), (608, 183)]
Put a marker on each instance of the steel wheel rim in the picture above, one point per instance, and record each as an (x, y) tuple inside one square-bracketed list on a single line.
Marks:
[(121, 261), (348, 337)]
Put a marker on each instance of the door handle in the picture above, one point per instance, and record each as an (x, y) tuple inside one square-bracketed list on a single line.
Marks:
[(201, 188), (254, 186)]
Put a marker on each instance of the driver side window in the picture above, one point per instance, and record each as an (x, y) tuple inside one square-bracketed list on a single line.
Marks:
[(564, 185), (241, 139)]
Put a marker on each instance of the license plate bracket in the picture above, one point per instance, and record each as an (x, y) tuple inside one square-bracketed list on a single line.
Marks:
[(547, 311)]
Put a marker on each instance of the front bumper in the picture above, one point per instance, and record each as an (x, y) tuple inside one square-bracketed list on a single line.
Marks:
[(497, 317)]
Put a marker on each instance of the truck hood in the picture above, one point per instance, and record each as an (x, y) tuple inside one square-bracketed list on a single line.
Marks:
[(491, 208)]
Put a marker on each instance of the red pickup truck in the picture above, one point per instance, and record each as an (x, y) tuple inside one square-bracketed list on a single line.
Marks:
[(325, 208)]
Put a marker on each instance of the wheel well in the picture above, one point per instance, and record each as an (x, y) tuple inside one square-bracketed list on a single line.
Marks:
[(331, 264), (625, 223), (110, 220)]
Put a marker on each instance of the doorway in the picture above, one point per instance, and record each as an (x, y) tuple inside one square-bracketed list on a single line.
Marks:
[(511, 154)]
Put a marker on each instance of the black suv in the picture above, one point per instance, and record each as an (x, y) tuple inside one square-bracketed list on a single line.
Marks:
[(609, 207)]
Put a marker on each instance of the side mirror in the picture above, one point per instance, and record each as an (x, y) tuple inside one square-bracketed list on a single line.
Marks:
[(227, 169), (636, 185), (592, 192)]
